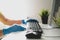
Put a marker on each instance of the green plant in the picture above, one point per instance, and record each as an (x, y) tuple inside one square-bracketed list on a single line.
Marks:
[(57, 21), (44, 13)]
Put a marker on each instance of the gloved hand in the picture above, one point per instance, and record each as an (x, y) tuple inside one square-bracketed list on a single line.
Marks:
[(14, 28), (24, 22)]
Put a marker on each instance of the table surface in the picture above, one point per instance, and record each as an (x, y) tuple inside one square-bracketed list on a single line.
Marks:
[(21, 36), (15, 36)]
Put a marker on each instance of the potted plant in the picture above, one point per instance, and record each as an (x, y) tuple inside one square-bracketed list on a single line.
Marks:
[(44, 16)]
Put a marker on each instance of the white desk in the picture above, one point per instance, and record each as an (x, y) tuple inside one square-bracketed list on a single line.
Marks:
[(21, 35), (15, 36)]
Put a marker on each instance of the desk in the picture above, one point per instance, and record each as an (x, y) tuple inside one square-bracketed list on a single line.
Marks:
[(21, 36), (50, 34), (15, 36)]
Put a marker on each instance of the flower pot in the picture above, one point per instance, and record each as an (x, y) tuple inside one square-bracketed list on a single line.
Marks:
[(44, 19)]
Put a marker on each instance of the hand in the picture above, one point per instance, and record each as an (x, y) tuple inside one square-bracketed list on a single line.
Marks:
[(23, 21), (14, 28)]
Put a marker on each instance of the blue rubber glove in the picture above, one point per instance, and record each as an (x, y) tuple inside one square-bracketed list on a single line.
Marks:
[(14, 28), (23, 21), (32, 20)]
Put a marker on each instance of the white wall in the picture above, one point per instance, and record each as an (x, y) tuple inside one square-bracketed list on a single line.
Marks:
[(20, 9), (14, 9)]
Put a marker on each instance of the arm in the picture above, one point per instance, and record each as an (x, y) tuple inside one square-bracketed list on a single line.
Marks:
[(14, 28), (10, 22)]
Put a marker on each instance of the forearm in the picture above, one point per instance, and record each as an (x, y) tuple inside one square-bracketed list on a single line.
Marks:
[(11, 22)]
